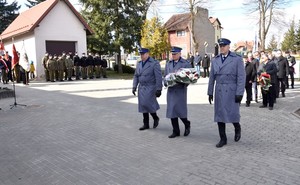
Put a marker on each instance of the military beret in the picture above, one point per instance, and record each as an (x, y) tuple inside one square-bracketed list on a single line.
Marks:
[(223, 41), (176, 49), (143, 50)]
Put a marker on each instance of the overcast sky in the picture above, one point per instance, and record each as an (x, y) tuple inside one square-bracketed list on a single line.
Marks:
[(234, 19)]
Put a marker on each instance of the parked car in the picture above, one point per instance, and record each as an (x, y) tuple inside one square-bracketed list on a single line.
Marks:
[(132, 61)]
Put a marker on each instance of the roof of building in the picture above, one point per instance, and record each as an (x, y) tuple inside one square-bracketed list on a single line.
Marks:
[(241, 45), (28, 20), (214, 19), (178, 22)]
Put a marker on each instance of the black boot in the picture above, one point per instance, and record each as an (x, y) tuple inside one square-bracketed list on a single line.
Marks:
[(156, 122), (237, 131), (187, 125), (175, 125), (156, 119), (222, 133), (146, 122), (247, 103), (145, 126)]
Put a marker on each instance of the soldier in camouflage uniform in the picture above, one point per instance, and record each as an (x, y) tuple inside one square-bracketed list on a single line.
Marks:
[(44, 62), (69, 66), (51, 66), (56, 74), (61, 67)]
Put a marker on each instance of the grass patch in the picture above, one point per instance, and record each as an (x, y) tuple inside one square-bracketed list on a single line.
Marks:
[(116, 75)]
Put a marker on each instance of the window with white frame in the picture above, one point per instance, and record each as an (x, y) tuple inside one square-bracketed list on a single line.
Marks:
[(180, 33)]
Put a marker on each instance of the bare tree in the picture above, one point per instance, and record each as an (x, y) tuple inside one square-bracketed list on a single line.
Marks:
[(267, 12), (191, 6)]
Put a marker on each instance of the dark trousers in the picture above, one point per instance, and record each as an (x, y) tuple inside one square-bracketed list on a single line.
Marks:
[(175, 124), (248, 88), (206, 70), (269, 96), (280, 86), (25, 77), (292, 80), (222, 129), (146, 118), (32, 76)]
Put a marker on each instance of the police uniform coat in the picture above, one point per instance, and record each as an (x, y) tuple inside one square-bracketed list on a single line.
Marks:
[(229, 78), (148, 79), (177, 94)]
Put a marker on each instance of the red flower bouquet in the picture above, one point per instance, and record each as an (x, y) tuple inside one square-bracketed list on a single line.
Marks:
[(265, 81)]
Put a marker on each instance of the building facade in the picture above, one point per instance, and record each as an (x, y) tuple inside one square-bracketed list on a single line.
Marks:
[(179, 30), (52, 26)]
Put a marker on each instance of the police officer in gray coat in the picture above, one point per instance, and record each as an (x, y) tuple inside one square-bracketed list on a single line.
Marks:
[(148, 79), (177, 95), (227, 75)]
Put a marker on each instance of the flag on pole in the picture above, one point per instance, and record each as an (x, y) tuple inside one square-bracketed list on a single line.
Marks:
[(2, 49), (15, 59), (23, 60), (255, 43)]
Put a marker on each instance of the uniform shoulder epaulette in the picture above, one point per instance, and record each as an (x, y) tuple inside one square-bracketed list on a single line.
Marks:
[(183, 60), (235, 54)]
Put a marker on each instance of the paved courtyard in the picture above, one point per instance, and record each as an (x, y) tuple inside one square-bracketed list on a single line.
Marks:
[(86, 133)]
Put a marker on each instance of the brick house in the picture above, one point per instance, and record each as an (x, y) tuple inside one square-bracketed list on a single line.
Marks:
[(52, 26), (243, 47), (179, 31)]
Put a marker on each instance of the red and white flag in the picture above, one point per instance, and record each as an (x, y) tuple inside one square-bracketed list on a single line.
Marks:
[(2, 49), (15, 59)]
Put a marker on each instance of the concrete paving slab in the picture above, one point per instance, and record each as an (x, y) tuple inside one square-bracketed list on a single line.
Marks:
[(86, 132)]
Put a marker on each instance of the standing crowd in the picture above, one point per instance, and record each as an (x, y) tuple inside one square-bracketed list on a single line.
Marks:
[(19, 72), (277, 68), (63, 67)]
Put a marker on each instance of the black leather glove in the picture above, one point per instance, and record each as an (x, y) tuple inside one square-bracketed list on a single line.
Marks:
[(158, 93), (165, 83), (133, 91), (238, 98), (210, 98)]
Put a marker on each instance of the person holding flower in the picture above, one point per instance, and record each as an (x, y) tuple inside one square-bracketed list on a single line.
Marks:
[(227, 78), (148, 79), (268, 68), (177, 94)]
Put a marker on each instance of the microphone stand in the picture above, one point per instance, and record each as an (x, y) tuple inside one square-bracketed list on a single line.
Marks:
[(15, 103)]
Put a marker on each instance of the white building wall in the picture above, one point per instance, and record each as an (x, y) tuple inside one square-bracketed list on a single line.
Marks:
[(26, 43), (60, 24)]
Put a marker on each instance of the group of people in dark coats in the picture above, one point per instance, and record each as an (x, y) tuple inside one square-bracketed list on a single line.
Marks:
[(197, 61), (277, 67), (226, 87)]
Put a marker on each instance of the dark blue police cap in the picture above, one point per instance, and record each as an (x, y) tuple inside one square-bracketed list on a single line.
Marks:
[(176, 49), (143, 50), (223, 41)]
